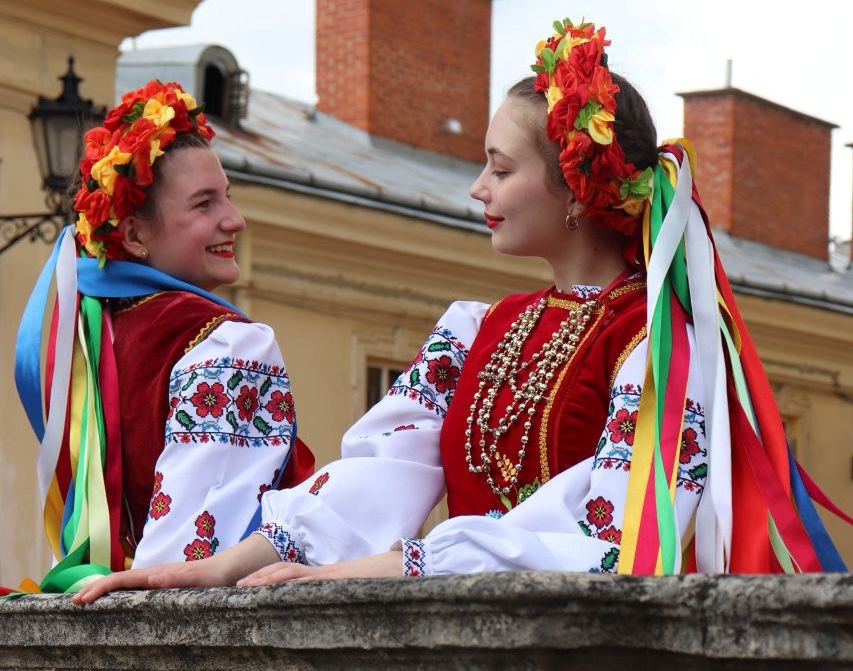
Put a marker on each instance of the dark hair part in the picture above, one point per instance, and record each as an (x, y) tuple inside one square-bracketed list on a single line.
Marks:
[(634, 128), (181, 141)]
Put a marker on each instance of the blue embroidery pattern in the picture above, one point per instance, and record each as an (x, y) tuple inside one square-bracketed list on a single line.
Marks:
[(288, 549)]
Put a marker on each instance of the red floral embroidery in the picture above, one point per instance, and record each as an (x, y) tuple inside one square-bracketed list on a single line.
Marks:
[(292, 555), (318, 483), (247, 402), (205, 524), (158, 482), (443, 374), (209, 399), (173, 403), (198, 549), (600, 512), (611, 534), (280, 406), (405, 427), (160, 505), (622, 426), (266, 487), (689, 446)]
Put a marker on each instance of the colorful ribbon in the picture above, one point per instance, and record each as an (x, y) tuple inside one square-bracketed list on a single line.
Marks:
[(79, 462), (753, 481)]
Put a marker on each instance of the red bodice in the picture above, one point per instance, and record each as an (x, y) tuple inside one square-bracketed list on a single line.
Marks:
[(150, 337), (568, 424)]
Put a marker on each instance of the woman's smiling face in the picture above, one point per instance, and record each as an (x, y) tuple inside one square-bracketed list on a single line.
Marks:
[(194, 225)]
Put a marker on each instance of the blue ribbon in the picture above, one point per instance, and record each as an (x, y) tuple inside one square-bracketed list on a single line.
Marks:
[(28, 345), (825, 549)]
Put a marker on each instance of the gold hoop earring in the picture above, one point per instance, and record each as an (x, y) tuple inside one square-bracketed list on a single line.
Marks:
[(572, 221)]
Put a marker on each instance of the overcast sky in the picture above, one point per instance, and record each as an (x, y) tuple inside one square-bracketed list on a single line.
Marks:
[(798, 54)]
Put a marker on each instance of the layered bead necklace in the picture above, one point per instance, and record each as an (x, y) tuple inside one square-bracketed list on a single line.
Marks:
[(503, 369)]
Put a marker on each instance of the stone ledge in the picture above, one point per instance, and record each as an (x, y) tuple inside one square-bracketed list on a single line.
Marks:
[(485, 621)]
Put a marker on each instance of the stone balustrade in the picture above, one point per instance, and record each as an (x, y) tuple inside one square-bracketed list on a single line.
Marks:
[(486, 621)]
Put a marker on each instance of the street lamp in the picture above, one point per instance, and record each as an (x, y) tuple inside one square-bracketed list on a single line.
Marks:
[(58, 126)]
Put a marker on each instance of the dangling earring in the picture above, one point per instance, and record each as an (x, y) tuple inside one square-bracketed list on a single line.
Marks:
[(572, 221)]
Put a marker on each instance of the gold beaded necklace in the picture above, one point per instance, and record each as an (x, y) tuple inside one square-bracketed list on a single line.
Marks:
[(503, 368)]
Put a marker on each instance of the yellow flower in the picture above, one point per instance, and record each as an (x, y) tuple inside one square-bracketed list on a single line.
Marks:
[(189, 101), (158, 113), (554, 95), (155, 152), (104, 173), (600, 127)]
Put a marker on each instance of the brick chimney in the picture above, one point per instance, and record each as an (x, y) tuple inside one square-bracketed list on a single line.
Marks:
[(414, 72), (763, 170)]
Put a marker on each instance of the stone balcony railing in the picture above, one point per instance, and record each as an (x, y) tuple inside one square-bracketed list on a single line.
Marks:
[(487, 621)]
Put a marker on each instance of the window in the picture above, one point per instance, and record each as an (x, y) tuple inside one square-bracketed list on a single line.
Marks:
[(380, 377)]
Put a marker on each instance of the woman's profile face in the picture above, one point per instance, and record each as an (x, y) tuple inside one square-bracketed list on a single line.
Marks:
[(524, 208), (194, 225)]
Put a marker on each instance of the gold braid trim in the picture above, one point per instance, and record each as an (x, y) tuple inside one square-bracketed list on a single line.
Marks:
[(630, 347), (625, 288), (137, 303), (208, 328), (543, 427)]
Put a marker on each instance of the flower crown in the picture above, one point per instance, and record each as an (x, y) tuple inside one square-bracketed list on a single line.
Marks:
[(572, 71), (118, 157)]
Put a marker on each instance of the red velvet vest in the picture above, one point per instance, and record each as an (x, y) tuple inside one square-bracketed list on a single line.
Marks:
[(150, 337), (568, 425)]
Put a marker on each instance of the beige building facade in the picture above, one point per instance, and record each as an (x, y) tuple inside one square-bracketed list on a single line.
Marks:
[(350, 284)]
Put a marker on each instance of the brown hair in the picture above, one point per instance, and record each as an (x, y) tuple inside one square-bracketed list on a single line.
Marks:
[(633, 127)]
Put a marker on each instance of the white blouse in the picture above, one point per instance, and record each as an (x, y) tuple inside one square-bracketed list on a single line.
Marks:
[(390, 477), (227, 437)]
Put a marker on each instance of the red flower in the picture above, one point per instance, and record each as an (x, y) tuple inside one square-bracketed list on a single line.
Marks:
[(247, 402), (611, 534), (622, 427), (198, 549), (689, 446), (127, 197), (209, 399), (442, 374), (600, 512), (205, 524), (280, 406), (318, 483), (160, 505)]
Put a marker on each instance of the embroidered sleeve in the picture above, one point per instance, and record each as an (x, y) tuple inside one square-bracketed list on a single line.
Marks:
[(390, 476), (227, 435), (282, 540)]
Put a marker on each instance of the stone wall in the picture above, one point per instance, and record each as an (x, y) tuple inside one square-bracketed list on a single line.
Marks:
[(487, 621)]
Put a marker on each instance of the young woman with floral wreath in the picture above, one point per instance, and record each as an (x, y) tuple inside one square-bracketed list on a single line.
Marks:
[(169, 412), (618, 420)]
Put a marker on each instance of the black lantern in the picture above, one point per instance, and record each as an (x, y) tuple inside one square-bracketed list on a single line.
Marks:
[(58, 126)]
